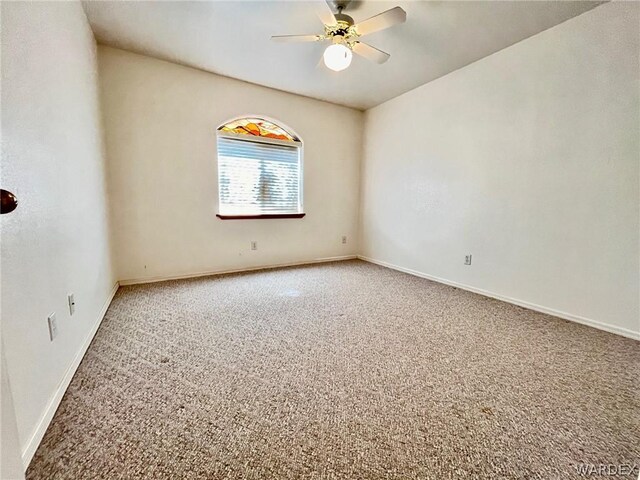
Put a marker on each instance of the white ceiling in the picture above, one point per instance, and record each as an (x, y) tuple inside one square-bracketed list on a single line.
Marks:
[(232, 38)]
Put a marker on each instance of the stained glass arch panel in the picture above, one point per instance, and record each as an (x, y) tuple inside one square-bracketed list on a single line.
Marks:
[(258, 127)]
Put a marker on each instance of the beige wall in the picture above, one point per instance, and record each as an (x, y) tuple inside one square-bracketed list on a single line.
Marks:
[(527, 159), (160, 123), (57, 241)]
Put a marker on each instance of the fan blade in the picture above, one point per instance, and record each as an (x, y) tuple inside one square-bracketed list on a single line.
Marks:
[(370, 53), (325, 14), (296, 38), (381, 21)]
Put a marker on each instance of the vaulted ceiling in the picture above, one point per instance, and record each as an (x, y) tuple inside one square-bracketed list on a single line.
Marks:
[(232, 38)]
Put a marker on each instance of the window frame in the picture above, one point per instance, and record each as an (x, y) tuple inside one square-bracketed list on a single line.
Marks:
[(274, 141)]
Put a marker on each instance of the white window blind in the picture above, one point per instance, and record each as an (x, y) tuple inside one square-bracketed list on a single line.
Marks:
[(257, 177)]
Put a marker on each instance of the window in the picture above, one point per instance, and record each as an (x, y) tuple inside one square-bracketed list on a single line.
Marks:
[(259, 170)]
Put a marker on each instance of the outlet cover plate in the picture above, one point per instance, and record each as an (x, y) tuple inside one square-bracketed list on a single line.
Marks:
[(72, 304), (53, 326)]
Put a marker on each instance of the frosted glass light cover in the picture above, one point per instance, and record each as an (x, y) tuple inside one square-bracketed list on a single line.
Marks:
[(337, 57)]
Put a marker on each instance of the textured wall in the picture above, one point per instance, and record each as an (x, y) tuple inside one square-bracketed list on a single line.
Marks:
[(527, 159), (160, 124), (57, 241)]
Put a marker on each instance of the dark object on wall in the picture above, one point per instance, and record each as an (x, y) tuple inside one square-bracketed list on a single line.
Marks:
[(8, 202)]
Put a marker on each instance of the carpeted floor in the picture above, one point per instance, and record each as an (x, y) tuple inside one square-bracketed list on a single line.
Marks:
[(343, 370)]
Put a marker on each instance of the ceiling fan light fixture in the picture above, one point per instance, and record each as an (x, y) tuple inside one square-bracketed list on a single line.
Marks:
[(344, 34), (337, 57)]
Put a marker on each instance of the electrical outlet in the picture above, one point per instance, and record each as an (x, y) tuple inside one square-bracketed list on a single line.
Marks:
[(344, 239), (53, 326), (467, 259), (72, 304), (254, 245)]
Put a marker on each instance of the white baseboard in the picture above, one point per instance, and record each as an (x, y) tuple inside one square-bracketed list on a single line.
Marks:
[(164, 278), (531, 306), (32, 444)]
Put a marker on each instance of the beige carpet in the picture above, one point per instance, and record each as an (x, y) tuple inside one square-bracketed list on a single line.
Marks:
[(343, 370)]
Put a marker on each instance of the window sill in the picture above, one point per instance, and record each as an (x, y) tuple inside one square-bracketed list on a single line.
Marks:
[(260, 217)]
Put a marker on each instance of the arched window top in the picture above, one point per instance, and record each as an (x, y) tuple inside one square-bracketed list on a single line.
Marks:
[(258, 127)]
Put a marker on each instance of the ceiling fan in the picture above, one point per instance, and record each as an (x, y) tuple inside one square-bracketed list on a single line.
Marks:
[(344, 35)]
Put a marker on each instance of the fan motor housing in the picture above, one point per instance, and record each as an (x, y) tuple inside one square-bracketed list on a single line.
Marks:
[(344, 18)]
